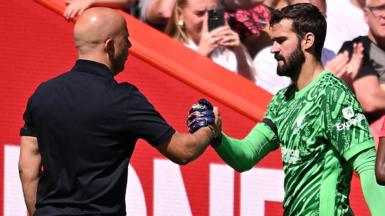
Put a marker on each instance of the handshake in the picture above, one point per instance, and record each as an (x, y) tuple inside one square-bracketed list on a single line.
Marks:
[(202, 114)]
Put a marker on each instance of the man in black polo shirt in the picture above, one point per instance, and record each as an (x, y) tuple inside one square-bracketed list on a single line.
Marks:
[(81, 128)]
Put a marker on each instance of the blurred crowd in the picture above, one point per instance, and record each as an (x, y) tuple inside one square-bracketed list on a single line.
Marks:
[(243, 44)]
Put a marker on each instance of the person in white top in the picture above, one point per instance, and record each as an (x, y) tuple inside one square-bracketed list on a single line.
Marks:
[(346, 21), (188, 24)]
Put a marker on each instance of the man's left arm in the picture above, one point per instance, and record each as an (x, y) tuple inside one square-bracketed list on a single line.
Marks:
[(380, 160), (29, 170), (363, 163)]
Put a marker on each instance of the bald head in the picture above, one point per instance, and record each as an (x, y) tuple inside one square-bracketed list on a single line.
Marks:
[(101, 35), (95, 26)]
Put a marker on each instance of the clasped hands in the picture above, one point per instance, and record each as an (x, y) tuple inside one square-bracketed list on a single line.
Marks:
[(203, 114)]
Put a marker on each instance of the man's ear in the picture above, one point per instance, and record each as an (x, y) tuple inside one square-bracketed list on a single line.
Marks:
[(308, 41), (109, 47)]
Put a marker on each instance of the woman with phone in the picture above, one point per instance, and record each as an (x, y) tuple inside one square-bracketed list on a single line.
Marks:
[(189, 23)]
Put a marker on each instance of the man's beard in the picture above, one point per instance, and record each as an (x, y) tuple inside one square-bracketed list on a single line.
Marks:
[(293, 65)]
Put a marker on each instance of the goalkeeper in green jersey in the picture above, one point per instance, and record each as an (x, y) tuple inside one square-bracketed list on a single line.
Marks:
[(317, 122)]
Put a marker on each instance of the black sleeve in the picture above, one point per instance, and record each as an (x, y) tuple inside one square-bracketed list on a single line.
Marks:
[(27, 129), (347, 45), (367, 67), (144, 121)]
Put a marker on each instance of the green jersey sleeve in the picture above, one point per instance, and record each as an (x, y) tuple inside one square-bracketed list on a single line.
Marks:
[(346, 126), (243, 154)]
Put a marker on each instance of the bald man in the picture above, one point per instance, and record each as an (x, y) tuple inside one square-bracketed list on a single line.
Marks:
[(81, 128)]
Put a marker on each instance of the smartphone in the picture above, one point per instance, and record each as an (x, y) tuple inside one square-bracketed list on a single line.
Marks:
[(216, 18)]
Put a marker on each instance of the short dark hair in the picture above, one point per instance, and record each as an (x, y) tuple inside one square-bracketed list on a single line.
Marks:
[(306, 18)]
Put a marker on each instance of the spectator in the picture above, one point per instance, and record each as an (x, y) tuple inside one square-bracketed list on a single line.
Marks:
[(76, 7), (369, 82), (240, 4), (156, 12), (252, 25), (188, 24), (345, 20)]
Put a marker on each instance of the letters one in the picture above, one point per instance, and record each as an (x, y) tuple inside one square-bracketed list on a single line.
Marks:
[(169, 195)]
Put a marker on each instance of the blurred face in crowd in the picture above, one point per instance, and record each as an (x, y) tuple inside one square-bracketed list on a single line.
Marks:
[(375, 16), (194, 14), (286, 49)]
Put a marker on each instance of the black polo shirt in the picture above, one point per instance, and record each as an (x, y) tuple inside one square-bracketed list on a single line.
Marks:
[(87, 125)]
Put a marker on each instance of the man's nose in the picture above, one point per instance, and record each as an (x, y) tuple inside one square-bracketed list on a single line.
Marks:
[(274, 47)]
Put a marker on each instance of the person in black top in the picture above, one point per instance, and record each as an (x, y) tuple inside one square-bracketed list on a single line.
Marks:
[(369, 83), (81, 128)]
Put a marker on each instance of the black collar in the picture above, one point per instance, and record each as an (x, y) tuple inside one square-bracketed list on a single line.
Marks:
[(92, 67)]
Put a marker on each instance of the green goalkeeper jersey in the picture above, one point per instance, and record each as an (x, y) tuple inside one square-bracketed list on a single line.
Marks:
[(319, 129)]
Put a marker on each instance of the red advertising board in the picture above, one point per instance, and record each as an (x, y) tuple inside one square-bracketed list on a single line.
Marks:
[(37, 45)]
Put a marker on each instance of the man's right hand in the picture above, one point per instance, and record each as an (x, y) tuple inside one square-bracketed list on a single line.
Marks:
[(200, 115), (204, 114)]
